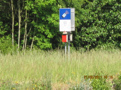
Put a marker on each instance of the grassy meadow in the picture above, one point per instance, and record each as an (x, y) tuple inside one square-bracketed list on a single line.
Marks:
[(52, 65)]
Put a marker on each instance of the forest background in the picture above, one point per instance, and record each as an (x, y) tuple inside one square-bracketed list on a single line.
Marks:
[(27, 24)]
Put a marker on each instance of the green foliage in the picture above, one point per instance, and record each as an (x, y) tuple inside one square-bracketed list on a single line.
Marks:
[(45, 23), (117, 83), (106, 46), (5, 39), (100, 83), (97, 22), (5, 45), (2, 29)]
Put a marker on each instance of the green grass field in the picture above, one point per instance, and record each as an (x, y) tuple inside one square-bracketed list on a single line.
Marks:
[(38, 65)]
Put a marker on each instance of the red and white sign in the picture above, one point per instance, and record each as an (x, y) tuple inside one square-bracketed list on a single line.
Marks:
[(64, 38)]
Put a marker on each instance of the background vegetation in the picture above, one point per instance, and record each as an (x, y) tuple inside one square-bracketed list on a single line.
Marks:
[(25, 24)]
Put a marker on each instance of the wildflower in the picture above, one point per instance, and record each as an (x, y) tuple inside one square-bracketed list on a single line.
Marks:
[(35, 85), (16, 82), (33, 88), (73, 72)]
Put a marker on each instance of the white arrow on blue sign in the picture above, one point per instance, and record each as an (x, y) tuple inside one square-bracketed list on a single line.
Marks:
[(65, 19)]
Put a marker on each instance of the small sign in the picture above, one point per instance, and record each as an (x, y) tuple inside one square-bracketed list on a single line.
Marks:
[(64, 38), (71, 37), (65, 19)]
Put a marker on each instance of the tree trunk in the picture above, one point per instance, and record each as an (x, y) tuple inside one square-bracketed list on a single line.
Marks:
[(25, 34), (19, 24), (32, 42), (12, 24)]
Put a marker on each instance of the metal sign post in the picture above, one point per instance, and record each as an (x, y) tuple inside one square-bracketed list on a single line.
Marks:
[(65, 40), (65, 50), (69, 46)]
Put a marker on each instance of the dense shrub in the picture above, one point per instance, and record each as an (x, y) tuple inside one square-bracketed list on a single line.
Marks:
[(117, 82), (5, 45)]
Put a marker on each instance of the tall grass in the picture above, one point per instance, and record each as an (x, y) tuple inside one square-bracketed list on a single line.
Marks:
[(37, 64)]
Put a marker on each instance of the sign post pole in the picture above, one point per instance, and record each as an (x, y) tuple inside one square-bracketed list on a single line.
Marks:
[(68, 45), (65, 50)]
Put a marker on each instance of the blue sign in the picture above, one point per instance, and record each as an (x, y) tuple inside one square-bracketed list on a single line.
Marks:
[(65, 14)]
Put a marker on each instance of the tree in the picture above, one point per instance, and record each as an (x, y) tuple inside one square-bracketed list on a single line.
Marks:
[(19, 24), (25, 33), (12, 24)]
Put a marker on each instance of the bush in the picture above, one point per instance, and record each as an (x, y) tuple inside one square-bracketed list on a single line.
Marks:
[(5, 45), (117, 82), (100, 83)]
